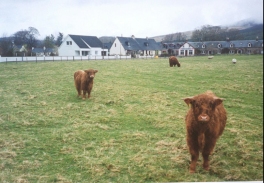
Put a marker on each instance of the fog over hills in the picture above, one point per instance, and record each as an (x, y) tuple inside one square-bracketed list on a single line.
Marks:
[(243, 25), (247, 27)]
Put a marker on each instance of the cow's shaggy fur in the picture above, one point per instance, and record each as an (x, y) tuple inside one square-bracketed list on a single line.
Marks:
[(205, 122), (174, 61), (83, 80)]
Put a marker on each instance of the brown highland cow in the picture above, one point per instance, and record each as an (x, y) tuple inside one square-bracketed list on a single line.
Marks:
[(174, 61), (83, 80), (205, 122)]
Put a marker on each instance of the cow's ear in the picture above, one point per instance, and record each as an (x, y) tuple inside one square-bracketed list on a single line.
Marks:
[(95, 71), (218, 101), (188, 100)]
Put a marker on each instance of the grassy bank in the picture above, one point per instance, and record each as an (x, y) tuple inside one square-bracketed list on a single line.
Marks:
[(132, 129)]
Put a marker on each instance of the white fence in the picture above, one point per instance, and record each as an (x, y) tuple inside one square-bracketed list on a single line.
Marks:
[(66, 58)]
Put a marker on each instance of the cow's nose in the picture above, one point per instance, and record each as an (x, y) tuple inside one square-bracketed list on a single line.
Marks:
[(203, 117), (92, 76)]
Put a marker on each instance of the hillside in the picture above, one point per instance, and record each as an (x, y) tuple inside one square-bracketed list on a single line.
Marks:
[(247, 29)]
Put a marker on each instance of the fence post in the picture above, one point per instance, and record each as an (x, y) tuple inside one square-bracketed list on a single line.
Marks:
[(6, 60)]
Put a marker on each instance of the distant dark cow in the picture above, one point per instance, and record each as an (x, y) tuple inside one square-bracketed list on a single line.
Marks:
[(83, 80), (174, 61), (205, 122)]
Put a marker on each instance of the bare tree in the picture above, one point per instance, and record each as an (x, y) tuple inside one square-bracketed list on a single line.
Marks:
[(6, 46), (49, 41), (59, 39), (26, 37)]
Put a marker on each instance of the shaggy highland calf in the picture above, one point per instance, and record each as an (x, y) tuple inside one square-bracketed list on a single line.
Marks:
[(83, 80), (205, 122), (174, 61)]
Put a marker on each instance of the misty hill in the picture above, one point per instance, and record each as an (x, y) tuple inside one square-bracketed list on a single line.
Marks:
[(253, 32), (248, 29), (106, 39)]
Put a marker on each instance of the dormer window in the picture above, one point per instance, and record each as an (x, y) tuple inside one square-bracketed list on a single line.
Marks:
[(219, 46), (203, 46), (146, 43), (231, 45), (127, 43), (249, 44)]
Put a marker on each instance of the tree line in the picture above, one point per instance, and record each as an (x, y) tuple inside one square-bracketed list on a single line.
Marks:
[(217, 33), (28, 39)]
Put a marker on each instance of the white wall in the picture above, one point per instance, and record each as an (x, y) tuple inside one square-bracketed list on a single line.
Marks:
[(68, 50), (117, 48), (184, 48), (74, 50)]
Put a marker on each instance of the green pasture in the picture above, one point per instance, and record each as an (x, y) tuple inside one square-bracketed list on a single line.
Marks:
[(132, 128)]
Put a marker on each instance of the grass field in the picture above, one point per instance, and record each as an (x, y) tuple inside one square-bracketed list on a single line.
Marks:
[(132, 129)]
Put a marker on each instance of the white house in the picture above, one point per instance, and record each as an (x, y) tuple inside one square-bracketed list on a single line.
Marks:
[(77, 45), (186, 50), (135, 46)]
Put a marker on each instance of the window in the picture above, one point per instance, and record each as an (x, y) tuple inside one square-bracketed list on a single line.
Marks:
[(190, 52), (249, 45), (182, 52), (231, 45), (231, 51), (203, 46), (85, 53), (68, 42), (219, 46)]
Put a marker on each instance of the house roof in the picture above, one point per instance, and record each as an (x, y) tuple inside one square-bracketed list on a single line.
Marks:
[(86, 41), (129, 43), (226, 44), (107, 45), (136, 44), (147, 44), (41, 50)]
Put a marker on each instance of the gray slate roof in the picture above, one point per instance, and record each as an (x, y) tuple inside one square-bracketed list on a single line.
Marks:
[(226, 44), (41, 50), (82, 41), (135, 44)]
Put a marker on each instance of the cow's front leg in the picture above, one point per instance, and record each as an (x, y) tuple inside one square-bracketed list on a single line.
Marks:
[(192, 141), (84, 95), (207, 150)]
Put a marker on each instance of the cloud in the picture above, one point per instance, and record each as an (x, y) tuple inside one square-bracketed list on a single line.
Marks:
[(115, 17)]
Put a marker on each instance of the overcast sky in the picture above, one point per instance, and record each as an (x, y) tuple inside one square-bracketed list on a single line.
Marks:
[(142, 18)]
